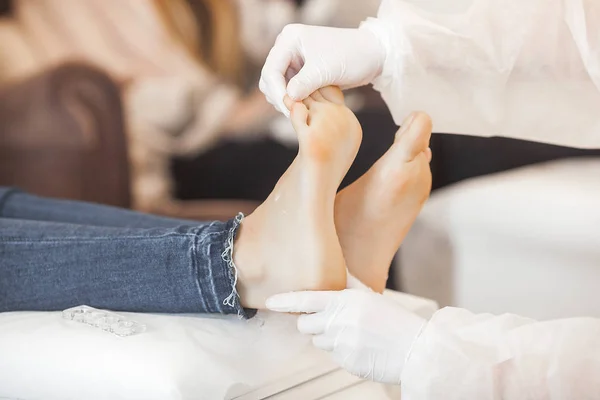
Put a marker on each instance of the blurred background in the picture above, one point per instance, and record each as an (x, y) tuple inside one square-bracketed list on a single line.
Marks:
[(154, 105)]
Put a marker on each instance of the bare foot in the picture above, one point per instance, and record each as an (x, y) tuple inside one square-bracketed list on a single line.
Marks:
[(374, 214), (290, 242)]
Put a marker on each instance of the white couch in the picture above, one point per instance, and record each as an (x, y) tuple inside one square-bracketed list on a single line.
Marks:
[(525, 241)]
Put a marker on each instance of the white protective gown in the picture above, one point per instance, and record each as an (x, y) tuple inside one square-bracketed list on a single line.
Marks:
[(527, 69), (461, 355)]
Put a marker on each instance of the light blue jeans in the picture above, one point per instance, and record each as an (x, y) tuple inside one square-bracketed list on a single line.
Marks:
[(56, 254)]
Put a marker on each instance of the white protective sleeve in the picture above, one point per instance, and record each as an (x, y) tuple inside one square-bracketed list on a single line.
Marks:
[(522, 69), (461, 355)]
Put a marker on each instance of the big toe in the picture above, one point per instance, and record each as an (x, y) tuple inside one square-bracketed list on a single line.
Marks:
[(333, 94), (413, 136)]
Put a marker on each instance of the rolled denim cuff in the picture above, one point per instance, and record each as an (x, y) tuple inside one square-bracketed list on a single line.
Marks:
[(220, 276)]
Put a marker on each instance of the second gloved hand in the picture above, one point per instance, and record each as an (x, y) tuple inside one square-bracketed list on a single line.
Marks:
[(368, 334), (312, 57)]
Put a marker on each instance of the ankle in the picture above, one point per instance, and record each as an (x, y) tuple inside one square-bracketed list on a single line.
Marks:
[(247, 259)]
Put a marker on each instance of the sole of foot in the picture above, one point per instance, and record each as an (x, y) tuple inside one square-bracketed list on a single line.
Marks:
[(290, 241), (374, 214)]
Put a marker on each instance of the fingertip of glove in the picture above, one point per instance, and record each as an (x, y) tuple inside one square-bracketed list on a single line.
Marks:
[(296, 90), (278, 302), (284, 111)]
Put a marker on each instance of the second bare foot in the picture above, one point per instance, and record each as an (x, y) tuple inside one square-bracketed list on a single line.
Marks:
[(374, 214)]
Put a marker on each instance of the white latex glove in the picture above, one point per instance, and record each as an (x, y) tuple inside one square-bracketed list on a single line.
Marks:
[(367, 334), (311, 57)]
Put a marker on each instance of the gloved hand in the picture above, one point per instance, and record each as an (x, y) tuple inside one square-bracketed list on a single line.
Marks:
[(368, 334), (311, 57)]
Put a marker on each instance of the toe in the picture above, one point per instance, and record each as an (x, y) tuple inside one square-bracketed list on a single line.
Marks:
[(309, 102), (289, 103), (414, 135), (299, 117), (317, 96), (428, 154), (332, 94)]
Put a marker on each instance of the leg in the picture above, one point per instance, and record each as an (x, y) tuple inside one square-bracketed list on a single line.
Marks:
[(52, 266), (374, 214), (289, 243), (15, 204)]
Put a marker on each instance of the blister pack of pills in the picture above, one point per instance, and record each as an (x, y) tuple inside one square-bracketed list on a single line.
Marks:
[(104, 320)]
